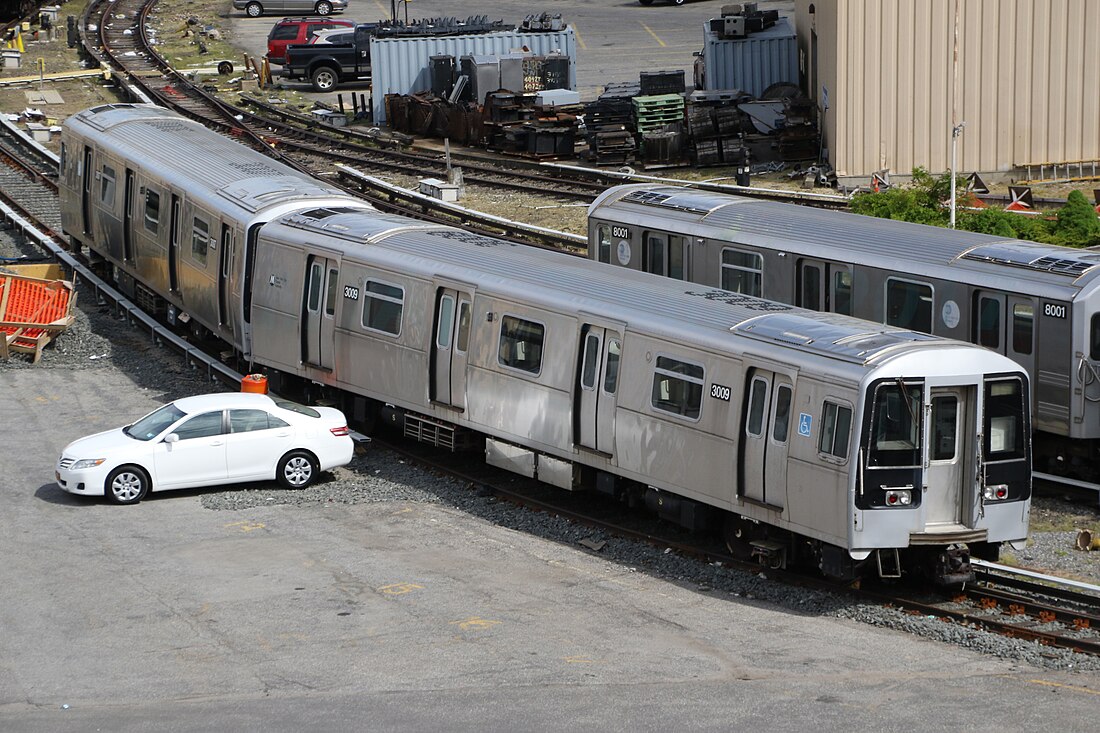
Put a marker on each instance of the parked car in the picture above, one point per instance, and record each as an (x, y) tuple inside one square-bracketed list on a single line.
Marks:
[(208, 440), (327, 65), (299, 30), (256, 8), (332, 35)]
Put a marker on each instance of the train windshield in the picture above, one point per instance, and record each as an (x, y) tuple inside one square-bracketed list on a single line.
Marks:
[(1005, 430), (896, 426)]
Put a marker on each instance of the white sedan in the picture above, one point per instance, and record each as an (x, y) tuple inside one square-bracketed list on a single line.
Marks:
[(206, 441)]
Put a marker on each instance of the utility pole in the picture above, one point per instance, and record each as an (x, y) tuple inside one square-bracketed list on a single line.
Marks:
[(955, 132), (956, 128)]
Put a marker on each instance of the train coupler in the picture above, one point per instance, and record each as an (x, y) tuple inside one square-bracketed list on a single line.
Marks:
[(952, 566)]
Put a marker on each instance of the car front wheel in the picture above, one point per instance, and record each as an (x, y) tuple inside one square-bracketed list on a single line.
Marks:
[(254, 10), (297, 470), (324, 79), (324, 8), (126, 485)]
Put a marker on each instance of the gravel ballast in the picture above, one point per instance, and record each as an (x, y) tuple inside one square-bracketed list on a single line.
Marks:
[(102, 339)]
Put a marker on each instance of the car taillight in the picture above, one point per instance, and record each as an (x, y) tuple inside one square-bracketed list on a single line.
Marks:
[(339, 432)]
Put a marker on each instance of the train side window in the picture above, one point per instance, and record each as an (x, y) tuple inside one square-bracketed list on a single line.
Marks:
[(989, 322), (63, 157), (200, 240), (909, 305), (313, 297), (678, 387), (382, 307), (1023, 328), (463, 326), (836, 425), (842, 292), (446, 320), (758, 395), (742, 272), (152, 210), (330, 294), (810, 287), (611, 376), (591, 358), (1094, 338), (603, 243), (782, 414), (521, 344), (107, 187)]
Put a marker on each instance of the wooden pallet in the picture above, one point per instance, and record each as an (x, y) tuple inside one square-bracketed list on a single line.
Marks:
[(33, 311)]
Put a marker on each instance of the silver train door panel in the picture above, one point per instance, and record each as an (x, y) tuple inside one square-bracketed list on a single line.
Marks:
[(597, 385), (765, 436), (949, 435), (450, 345), (319, 311)]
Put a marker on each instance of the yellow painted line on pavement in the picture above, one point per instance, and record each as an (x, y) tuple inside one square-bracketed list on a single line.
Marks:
[(245, 526), (396, 589), (475, 623), (384, 9), (580, 41), (1059, 685), (655, 36)]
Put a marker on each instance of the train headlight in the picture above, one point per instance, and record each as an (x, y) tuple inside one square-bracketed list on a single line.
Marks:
[(995, 492), (899, 497)]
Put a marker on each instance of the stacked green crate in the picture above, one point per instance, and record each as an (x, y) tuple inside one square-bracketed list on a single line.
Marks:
[(654, 112)]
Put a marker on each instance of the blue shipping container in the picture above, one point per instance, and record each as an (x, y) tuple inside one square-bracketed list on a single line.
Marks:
[(751, 64)]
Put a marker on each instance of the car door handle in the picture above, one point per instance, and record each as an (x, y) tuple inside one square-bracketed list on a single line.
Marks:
[(217, 442), (282, 434)]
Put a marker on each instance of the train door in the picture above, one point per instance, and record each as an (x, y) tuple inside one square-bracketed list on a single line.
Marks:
[(450, 346), (174, 246), (597, 385), (765, 436), (824, 286), (86, 191), (950, 430), (1006, 323), (319, 311), (225, 264), (665, 254), (128, 218)]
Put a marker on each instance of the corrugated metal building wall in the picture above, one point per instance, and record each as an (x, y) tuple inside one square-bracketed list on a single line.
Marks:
[(401, 65), (1028, 82), (754, 63)]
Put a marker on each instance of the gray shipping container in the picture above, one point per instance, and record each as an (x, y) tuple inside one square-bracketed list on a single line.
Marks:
[(751, 64), (403, 65)]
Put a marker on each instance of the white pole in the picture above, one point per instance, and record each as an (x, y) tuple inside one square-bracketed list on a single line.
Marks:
[(956, 128)]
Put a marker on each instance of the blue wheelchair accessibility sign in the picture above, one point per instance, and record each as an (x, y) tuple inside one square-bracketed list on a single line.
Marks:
[(805, 422)]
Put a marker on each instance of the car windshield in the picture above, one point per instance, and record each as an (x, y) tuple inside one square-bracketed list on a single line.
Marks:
[(295, 407), (154, 423)]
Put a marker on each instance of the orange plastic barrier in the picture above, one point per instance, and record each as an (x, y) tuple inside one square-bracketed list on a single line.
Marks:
[(254, 383), (32, 312)]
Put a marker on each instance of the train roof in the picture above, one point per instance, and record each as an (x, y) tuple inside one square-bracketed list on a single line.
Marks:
[(844, 236), (174, 147), (671, 307)]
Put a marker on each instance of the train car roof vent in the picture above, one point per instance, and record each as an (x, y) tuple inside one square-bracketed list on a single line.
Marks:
[(1038, 257), (680, 201)]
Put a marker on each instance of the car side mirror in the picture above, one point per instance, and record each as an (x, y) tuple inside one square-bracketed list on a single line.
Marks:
[(171, 438)]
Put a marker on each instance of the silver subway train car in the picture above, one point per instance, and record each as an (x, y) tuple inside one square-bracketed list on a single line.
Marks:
[(811, 437), (1038, 304)]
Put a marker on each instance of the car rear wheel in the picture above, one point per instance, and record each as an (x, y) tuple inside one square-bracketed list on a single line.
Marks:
[(254, 10), (324, 79), (323, 8), (297, 470), (126, 485)]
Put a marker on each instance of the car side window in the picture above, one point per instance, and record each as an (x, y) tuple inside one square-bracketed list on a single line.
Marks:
[(201, 426), (245, 421)]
